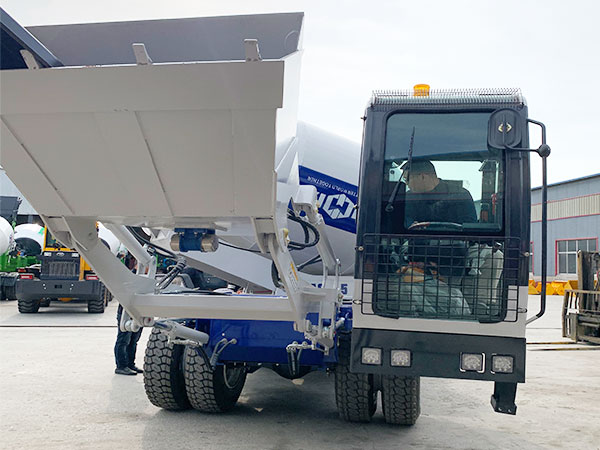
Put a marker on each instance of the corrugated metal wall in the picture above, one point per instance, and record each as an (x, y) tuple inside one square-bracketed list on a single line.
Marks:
[(573, 213), (571, 207)]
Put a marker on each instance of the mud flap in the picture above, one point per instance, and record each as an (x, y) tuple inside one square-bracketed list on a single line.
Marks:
[(503, 400)]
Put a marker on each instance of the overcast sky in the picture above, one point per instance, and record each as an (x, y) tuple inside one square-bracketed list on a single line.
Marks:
[(550, 49)]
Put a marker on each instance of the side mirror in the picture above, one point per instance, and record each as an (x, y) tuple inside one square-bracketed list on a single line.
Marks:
[(504, 129), (504, 133)]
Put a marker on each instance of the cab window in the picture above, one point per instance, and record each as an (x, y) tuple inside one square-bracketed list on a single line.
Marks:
[(439, 174)]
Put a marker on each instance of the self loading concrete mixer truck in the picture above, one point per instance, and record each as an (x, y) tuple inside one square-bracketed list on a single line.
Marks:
[(201, 125)]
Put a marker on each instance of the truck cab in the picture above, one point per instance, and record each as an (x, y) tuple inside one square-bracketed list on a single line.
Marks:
[(442, 244), (63, 275)]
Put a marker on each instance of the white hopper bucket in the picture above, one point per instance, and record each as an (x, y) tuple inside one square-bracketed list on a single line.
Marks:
[(191, 139), (194, 129)]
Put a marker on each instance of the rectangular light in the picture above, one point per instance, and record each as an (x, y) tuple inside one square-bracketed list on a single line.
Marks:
[(503, 364), (47, 254), (75, 255), (371, 356), (401, 358), (472, 362)]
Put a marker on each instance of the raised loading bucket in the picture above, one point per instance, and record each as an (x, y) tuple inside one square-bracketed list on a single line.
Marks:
[(193, 133)]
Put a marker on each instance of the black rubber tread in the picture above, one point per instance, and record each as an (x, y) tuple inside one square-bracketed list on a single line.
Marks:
[(45, 302), (28, 306), (355, 395), (206, 388), (95, 306), (163, 373), (401, 397)]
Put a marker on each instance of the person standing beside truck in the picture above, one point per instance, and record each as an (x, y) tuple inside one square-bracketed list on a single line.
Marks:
[(126, 344)]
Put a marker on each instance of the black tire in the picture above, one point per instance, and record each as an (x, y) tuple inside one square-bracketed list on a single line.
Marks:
[(45, 302), (401, 397), (355, 393), (10, 292), (96, 306), (163, 373), (28, 306), (209, 390)]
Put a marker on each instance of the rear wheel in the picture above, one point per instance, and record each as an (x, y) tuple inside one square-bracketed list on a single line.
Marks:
[(163, 373), (355, 393), (45, 302), (211, 390), (401, 398), (28, 306), (96, 305)]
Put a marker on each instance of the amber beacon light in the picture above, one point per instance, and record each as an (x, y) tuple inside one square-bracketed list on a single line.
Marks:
[(421, 90)]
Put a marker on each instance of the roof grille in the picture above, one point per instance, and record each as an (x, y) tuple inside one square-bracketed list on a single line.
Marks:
[(449, 97)]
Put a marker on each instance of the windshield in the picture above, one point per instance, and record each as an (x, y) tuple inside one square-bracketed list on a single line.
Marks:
[(439, 174), (440, 253), (51, 242)]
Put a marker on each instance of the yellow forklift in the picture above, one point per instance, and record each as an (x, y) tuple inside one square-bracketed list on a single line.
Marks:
[(63, 275)]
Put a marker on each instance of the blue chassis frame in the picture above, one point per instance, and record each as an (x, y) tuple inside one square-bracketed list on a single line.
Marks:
[(264, 342)]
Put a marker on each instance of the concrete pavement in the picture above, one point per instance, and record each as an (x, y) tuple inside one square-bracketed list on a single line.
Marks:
[(59, 391)]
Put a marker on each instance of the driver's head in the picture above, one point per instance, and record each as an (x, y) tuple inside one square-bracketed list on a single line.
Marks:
[(420, 175)]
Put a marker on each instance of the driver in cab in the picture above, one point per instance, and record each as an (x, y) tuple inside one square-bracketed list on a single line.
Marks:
[(431, 199)]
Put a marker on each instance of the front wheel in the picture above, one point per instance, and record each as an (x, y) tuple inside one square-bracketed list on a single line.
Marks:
[(401, 399), (211, 390), (355, 393)]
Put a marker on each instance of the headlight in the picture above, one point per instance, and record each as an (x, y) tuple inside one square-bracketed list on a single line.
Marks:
[(371, 356), (401, 358), (503, 364), (472, 362)]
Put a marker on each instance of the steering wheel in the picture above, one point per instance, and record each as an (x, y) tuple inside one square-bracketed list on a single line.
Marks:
[(436, 226)]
